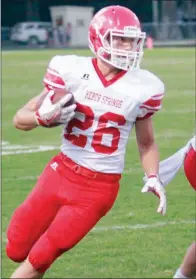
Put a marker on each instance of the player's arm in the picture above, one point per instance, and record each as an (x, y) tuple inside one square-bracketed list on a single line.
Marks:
[(147, 147), (24, 118), (150, 161), (46, 114), (38, 112), (145, 135)]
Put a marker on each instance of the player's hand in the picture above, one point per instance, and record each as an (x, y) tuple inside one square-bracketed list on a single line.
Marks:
[(154, 185), (49, 114)]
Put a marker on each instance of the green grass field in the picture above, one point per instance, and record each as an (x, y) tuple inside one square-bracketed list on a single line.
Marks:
[(125, 248)]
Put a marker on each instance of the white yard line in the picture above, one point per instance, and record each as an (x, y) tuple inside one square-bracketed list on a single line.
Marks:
[(39, 149), (3, 143), (130, 227), (19, 178), (25, 149), (142, 226), (9, 149)]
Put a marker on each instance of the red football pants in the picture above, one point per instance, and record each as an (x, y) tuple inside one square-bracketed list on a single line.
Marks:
[(190, 167), (66, 203)]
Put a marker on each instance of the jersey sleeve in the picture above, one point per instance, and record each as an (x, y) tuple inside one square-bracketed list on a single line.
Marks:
[(153, 100), (149, 107), (193, 142), (53, 78)]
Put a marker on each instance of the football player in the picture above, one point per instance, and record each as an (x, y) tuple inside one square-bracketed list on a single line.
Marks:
[(185, 157), (168, 169), (79, 185), (187, 270)]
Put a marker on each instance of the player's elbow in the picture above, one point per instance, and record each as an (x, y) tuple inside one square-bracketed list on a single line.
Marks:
[(145, 146), (18, 126), (17, 122)]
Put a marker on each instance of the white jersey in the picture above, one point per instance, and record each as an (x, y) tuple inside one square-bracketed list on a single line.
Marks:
[(106, 111)]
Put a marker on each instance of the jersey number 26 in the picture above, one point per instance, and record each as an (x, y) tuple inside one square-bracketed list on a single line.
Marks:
[(98, 146)]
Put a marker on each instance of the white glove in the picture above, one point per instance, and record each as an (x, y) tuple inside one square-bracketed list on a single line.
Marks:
[(154, 185), (50, 114)]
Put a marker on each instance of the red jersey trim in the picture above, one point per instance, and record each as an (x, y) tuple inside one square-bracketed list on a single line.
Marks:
[(153, 103), (145, 116), (104, 81), (54, 79)]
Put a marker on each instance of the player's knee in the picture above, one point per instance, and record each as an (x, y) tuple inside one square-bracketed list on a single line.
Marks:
[(66, 244), (16, 253), (16, 249), (42, 258), (193, 247)]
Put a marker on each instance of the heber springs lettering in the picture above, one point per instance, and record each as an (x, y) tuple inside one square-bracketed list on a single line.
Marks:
[(111, 102), (96, 97)]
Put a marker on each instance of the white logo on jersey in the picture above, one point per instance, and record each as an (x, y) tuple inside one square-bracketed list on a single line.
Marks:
[(54, 166), (85, 76)]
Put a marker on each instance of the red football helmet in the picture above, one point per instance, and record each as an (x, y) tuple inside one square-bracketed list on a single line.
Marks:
[(112, 22)]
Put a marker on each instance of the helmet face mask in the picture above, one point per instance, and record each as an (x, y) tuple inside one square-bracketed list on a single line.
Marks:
[(103, 40)]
